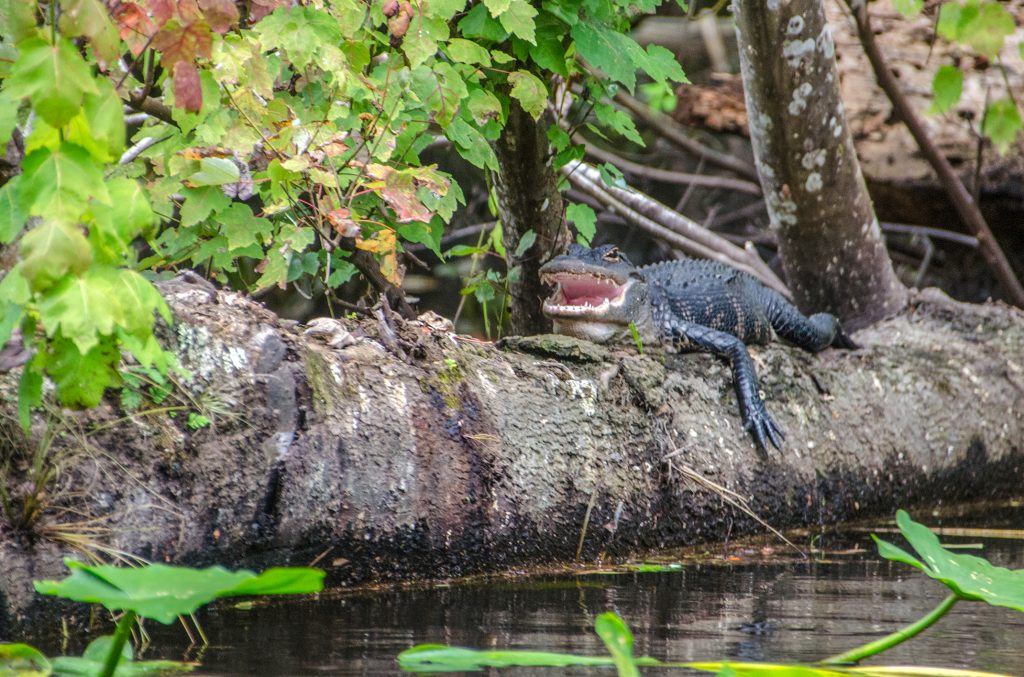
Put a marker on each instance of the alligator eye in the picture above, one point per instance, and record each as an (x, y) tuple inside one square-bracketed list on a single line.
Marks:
[(612, 255)]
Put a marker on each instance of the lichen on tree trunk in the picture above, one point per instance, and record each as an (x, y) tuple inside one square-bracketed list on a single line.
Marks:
[(527, 194), (829, 238)]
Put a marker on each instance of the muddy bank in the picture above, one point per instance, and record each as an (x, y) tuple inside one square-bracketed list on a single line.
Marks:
[(423, 454)]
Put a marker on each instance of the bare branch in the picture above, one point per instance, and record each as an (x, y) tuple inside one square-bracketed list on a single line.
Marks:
[(672, 133), (667, 175)]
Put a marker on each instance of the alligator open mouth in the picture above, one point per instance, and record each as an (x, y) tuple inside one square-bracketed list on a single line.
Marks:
[(582, 294)]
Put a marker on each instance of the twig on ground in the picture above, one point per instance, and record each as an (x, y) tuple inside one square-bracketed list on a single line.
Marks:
[(673, 228), (966, 206), (671, 133)]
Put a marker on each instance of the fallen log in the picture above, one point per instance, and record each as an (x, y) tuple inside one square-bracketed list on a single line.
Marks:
[(386, 454)]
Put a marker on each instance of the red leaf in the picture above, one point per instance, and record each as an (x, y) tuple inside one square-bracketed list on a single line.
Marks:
[(220, 14), (260, 8), (188, 93), (162, 10), (183, 43), (133, 25)]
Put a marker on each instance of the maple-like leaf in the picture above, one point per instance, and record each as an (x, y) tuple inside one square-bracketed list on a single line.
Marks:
[(261, 8), (220, 14), (183, 42), (54, 77), (188, 92), (133, 25), (341, 220)]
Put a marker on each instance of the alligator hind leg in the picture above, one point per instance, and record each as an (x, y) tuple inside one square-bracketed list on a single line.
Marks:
[(756, 418), (813, 334)]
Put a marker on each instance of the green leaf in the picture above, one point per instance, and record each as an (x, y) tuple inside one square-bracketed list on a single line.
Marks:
[(12, 219), (948, 84), (30, 393), (549, 53), (164, 592), (471, 144), (608, 50), (467, 51), (525, 242), (497, 7), (618, 640), (439, 658), (530, 91), (55, 78), (82, 378), (8, 117), (1002, 123), (421, 41), (478, 23), (61, 183), (306, 34), (17, 20), (484, 107), (445, 9), (201, 202), (22, 660), (585, 220), (91, 663), (518, 20), (968, 576), (948, 25), (241, 227), (986, 31), (105, 118), (617, 120), (116, 226), (662, 66), (91, 19), (908, 8), (215, 171), (50, 251)]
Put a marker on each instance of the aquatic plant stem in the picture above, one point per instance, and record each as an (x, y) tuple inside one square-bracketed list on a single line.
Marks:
[(858, 654), (124, 628)]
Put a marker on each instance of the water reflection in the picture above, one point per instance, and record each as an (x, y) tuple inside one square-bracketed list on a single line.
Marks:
[(764, 611)]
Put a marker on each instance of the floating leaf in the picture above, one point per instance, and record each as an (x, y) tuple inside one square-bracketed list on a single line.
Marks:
[(163, 592), (92, 660)]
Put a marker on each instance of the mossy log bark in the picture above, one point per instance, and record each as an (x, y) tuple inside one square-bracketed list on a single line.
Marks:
[(457, 457)]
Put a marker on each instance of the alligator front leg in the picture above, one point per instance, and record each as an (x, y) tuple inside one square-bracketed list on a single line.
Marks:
[(756, 419)]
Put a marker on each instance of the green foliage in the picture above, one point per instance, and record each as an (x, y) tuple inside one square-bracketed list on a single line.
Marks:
[(585, 220), (968, 576), (164, 592), (91, 662), (983, 26), (948, 84), (22, 660), (293, 136)]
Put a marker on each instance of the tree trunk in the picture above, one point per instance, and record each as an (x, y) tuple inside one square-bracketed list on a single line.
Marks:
[(442, 456), (528, 199), (829, 238)]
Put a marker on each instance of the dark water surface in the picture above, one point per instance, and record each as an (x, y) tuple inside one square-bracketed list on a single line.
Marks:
[(749, 608)]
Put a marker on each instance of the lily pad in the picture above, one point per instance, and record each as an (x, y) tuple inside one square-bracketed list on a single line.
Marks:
[(22, 660), (163, 592), (968, 576), (91, 663)]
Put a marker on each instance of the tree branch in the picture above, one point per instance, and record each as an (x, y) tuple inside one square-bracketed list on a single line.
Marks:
[(667, 175), (671, 133), (965, 205)]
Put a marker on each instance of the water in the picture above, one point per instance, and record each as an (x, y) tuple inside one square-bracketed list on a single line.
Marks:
[(751, 608)]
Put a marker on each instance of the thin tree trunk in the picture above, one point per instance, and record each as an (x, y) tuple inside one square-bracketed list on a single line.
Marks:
[(831, 245), (528, 199)]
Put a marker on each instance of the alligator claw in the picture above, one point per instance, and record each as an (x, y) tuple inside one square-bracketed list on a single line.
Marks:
[(761, 424)]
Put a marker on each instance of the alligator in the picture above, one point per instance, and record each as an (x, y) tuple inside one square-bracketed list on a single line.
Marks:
[(686, 305)]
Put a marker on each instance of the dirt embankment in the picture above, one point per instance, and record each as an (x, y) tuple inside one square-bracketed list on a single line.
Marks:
[(442, 456)]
